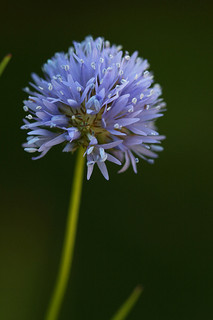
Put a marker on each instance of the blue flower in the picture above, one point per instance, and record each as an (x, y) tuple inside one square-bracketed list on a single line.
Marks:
[(99, 98)]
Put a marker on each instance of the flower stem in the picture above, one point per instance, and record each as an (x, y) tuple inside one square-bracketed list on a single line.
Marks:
[(125, 309), (69, 241), (4, 63)]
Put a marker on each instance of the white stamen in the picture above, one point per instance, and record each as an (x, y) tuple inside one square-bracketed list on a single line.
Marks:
[(79, 89), (93, 65), (111, 56), (127, 57), (29, 116), (118, 65), (134, 100), (101, 60), (82, 61), (116, 126), (73, 117), (123, 81), (66, 67), (38, 108), (61, 92), (59, 77), (131, 109), (146, 73), (141, 96), (136, 76), (121, 72), (25, 108), (136, 160), (41, 88), (151, 93), (50, 86), (109, 108)]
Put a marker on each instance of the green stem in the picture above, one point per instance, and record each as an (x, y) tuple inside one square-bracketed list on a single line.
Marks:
[(4, 63), (69, 241), (125, 309)]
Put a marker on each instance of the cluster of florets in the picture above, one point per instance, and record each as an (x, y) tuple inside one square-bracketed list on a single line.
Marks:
[(98, 98)]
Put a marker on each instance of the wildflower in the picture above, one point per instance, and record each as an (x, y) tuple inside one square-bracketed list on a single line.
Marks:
[(98, 98)]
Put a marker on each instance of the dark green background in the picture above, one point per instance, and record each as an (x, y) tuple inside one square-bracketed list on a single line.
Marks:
[(153, 228)]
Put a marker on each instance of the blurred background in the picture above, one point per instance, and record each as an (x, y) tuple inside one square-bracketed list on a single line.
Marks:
[(153, 228)]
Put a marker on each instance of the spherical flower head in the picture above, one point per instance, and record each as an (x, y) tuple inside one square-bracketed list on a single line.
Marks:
[(99, 98)]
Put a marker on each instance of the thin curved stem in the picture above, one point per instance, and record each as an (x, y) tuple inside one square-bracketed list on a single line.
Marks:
[(69, 241), (4, 63), (125, 309)]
